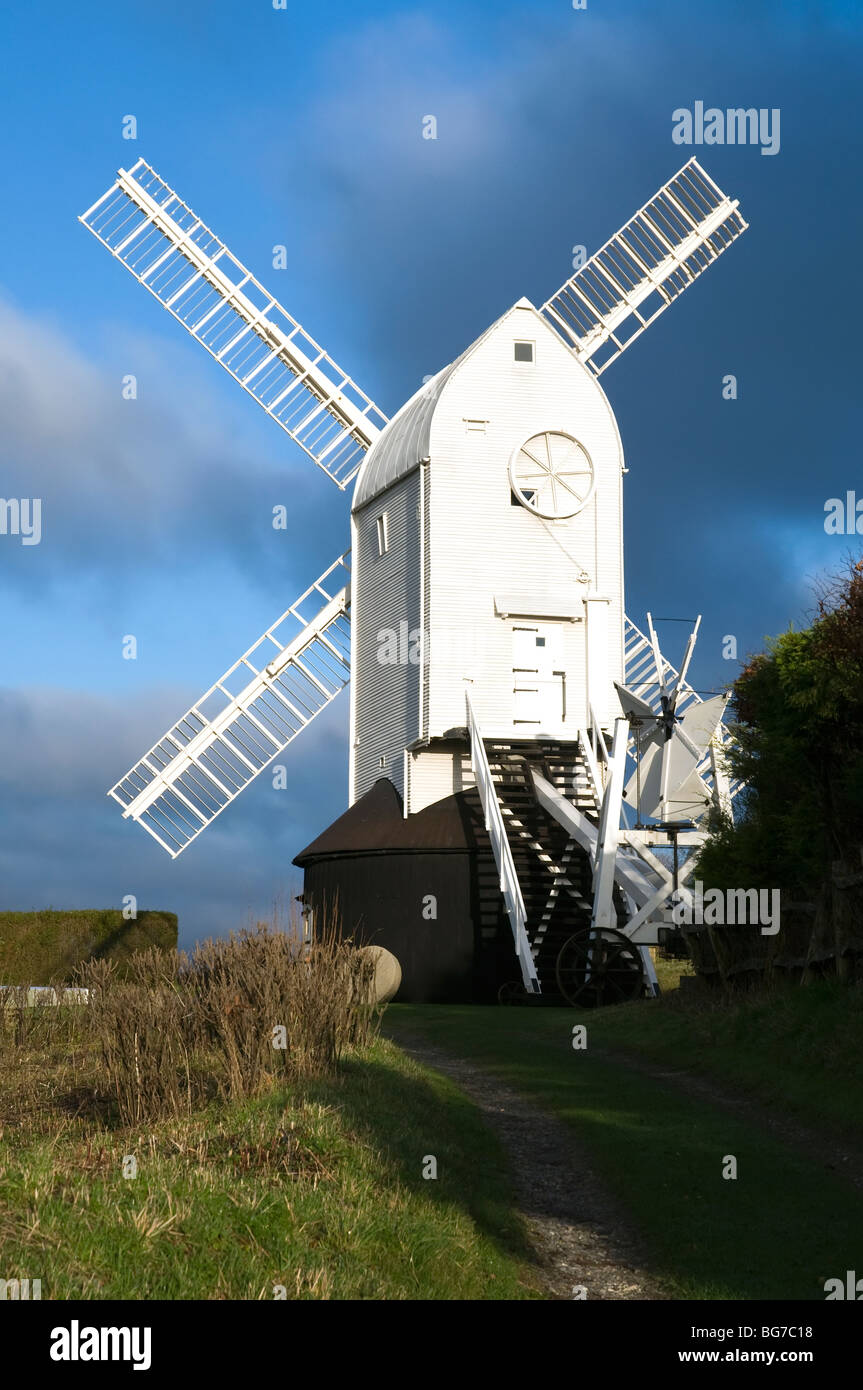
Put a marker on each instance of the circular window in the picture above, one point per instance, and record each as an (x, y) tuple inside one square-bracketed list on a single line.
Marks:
[(552, 475)]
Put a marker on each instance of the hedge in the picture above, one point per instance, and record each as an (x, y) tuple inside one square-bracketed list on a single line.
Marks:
[(38, 948)]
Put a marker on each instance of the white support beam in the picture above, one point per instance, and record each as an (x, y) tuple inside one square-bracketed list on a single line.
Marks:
[(638, 873), (604, 914), (721, 786), (649, 971), (654, 838), (629, 873)]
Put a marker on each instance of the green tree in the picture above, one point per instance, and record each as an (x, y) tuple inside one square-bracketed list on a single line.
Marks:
[(797, 711)]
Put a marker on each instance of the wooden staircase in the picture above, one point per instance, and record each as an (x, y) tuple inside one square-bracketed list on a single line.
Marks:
[(554, 873)]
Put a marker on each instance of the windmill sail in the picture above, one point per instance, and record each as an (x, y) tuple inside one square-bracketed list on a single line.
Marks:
[(642, 697), (193, 274), (668, 783), (252, 713), (628, 283)]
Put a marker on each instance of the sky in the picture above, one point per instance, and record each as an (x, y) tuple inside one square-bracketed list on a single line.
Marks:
[(302, 126)]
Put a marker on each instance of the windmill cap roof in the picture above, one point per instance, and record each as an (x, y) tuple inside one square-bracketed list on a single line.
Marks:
[(405, 441)]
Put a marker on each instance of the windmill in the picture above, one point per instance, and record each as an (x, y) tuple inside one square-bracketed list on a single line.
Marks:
[(486, 529)]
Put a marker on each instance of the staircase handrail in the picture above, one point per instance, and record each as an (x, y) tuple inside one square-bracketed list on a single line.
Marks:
[(509, 884)]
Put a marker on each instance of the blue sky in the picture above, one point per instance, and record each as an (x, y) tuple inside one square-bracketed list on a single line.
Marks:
[(302, 127)]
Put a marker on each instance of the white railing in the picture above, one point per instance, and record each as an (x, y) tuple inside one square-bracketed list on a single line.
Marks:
[(594, 752), (509, 884)]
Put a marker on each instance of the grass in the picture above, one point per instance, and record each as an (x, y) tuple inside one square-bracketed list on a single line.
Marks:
[(302, 1172), (227, 1125), (777, 1047), (317, 1189), (786, 1223)]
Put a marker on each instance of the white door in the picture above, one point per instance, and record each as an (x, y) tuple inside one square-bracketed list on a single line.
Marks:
[(539, 683)]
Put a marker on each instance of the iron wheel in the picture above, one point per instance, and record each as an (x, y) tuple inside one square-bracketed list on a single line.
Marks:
[(598, 967), (511, 992)]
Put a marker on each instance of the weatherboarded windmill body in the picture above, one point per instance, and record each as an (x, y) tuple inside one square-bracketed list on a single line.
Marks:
[(521, 754)]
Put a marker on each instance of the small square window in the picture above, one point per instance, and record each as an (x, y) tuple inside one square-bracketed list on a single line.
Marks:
[(540, 641), (523, 352), (383, 534)]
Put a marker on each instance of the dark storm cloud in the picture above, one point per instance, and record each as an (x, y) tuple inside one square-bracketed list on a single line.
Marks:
[(551, 130), (129, 486), (64, 843)]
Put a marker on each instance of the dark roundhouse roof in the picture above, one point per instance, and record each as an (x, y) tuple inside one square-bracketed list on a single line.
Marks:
[(376, 824)]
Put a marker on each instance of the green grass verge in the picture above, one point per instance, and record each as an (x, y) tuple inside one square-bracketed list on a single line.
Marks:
[(320, 1191), (799, 1050), (778, 1231)]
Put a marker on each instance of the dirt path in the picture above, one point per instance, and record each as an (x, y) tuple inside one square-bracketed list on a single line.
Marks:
[(579, 1234)]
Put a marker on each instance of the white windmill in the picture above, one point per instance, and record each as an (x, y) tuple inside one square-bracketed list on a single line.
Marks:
[(483, 617)]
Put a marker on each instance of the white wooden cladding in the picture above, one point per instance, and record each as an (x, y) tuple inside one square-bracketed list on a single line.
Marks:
[(436, 772), (385, 690), (252, 713), (660, 251), (170, 251), (480, 544)]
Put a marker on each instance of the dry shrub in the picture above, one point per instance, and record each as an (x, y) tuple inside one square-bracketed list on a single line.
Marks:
[(139, 1024), (33, 1022), (231, 1018), (43, 1047)]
